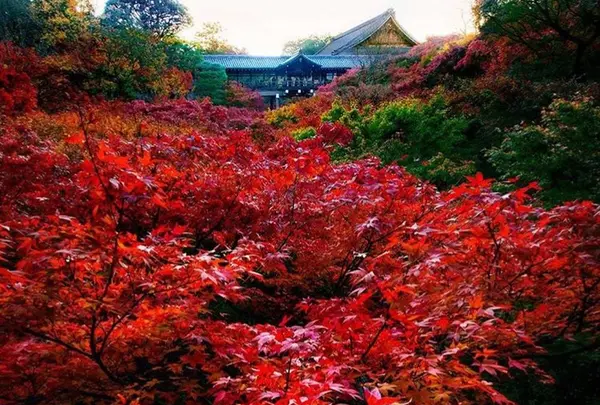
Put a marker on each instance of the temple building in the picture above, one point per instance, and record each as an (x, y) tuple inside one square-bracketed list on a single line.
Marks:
[(279, 78), (380, 35)]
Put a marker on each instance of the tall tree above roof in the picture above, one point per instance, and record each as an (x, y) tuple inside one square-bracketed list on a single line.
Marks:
[(162, 18), (210, 40), (308, 45)]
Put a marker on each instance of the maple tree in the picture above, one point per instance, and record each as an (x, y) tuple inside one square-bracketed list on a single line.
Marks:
[(575, 24), (181, 252), (203, 266), (17, 92)]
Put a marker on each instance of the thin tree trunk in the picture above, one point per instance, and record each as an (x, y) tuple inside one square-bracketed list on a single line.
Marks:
[(578, 65)]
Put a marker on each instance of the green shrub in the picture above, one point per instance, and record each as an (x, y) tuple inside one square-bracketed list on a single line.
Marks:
[(210, 80), (423, 137), (351, 118), (182, 55), (562, 153), (426, 129), (304, 133), (134, 61), (444, 171)]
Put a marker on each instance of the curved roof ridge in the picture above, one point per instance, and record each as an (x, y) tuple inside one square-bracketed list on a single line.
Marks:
[(292, 58), (360, 33), (364, 24), (364, 36), (227, 55), (404, 31)]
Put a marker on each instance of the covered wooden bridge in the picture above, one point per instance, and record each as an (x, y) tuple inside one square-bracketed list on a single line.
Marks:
[(278, 78)]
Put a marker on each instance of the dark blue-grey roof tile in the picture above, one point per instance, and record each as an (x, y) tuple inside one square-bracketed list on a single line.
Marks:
[(274, 62), (246, 61)]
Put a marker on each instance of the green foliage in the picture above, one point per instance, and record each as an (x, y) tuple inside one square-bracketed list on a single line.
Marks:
[(210, 80), (134, 60), (562, 153), (17, 23), (133, 55), (352, 118), (427, 127), (62, 23), (309, 45), (423, 137), (162, 18), (304, 133), (551, 29), (443, 171), (138, 61), (183, 55)]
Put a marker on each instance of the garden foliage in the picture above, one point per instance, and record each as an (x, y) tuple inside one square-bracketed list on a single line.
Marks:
[(350, 248), (158, 253)]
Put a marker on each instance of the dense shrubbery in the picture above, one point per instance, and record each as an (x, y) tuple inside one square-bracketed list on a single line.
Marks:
[(157, 253), (563, 35), (421, 137), (562, 153), (165, 251), (17, 92), (450, 107), (81, 55)]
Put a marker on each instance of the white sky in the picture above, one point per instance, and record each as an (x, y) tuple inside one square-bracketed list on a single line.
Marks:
[(263, 26)]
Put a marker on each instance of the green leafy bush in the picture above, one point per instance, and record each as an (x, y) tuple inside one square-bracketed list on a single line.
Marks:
[(182, 55), (210, 81), (134, 61), (304, 133), (423, 137), (562, 153), (426, 129)]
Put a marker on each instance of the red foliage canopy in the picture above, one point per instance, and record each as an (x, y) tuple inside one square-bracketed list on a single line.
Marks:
[(205, 268), (17, 92)]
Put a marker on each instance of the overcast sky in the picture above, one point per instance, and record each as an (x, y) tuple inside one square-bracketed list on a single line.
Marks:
[(263, 26)]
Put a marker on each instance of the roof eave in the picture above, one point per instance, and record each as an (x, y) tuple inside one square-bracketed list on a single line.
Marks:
[(359, 41), (389, 14), (294, 58), (404, 32)]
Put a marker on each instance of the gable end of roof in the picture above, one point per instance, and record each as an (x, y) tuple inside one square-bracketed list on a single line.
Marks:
[(362, 32)]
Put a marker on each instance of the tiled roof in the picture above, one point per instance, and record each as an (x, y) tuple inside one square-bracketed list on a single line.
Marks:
[(246, 61), (362, 32), (342, 61), (329, 57), (274, 62)]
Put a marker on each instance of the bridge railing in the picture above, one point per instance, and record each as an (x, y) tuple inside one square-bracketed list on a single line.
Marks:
[(290, 84)]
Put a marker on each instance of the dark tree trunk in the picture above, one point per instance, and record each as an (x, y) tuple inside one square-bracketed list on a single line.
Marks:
[(578, 70)]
